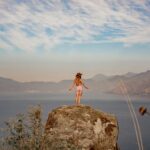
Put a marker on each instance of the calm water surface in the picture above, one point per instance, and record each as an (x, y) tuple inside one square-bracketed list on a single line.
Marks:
[(14, 104)]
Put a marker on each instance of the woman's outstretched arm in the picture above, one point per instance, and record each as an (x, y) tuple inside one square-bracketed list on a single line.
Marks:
[(72, 85), (84, 85)]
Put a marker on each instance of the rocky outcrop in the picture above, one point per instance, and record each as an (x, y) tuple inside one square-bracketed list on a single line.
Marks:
[(81, 128)]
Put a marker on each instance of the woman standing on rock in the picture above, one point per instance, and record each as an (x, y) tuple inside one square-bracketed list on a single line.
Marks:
[(79, 87)]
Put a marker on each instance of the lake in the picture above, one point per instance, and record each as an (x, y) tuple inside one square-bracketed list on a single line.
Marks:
[(10, 105)]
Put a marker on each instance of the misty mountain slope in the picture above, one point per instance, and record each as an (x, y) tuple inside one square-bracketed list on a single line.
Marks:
[(138, 84), (9, 85), (99, 77), (130, 74), (40, 87)]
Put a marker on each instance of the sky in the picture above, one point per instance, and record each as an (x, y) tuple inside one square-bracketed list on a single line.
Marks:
[(51, 40)]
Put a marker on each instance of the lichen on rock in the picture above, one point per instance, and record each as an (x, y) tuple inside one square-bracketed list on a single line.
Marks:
[(81, 128)]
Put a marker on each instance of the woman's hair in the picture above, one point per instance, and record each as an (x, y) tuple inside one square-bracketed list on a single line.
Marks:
[(78, 75)]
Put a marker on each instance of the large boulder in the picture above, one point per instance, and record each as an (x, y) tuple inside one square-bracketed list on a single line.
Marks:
[(81, 128)]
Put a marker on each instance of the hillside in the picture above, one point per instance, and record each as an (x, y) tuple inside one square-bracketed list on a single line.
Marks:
[(137, 84)]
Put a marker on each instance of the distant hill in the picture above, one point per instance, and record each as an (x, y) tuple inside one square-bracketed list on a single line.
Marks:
[(130, 74), (99, 77), (137, 84), (7, 85)]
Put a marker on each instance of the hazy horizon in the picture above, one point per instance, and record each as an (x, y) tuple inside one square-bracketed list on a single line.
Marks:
[(52, 40), (72, 77)]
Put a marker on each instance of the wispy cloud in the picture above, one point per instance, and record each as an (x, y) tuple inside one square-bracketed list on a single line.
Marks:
[(28, 25)]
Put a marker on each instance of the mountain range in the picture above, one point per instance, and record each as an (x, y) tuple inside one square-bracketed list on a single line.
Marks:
[(134, 83)]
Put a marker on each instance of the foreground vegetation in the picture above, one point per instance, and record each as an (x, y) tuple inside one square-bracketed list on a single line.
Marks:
[(28, 132), (25, 132)]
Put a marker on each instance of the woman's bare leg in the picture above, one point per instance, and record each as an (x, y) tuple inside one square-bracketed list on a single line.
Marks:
[(79, 97), (79, 100), (76, 99)]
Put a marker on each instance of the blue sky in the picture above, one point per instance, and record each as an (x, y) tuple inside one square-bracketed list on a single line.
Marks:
[(51, 40)]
